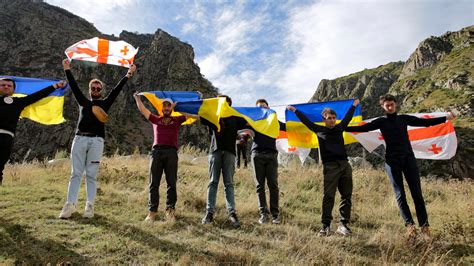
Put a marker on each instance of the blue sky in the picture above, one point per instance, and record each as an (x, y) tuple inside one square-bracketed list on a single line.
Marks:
[(280, 50)]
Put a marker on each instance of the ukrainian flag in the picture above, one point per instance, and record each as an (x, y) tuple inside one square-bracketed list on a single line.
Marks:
[(262, 120), (47, 111), (300, 136)]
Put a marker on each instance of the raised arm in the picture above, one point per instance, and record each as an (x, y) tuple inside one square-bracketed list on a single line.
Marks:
[(348, 117), (109, 100), (80, 98), (312, 126), (426, 122), (32, 98), (141, 107)]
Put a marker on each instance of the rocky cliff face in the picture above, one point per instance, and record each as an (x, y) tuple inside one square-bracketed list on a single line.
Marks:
[(438, 76), (34, 37)]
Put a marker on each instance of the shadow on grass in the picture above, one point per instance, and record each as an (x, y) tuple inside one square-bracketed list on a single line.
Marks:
[(18, 244), (172, 249)]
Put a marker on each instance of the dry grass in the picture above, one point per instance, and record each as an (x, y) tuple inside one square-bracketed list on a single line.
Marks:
[(34, 193)]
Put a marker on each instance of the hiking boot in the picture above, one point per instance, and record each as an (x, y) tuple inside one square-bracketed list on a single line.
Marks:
[(68, 210), (88, 210), (425, 231), (151, 217), (234, 220), (263, 218), (324, 231), (411, 231), (344, 230), (208, 218), (276, 219), (171, 215)]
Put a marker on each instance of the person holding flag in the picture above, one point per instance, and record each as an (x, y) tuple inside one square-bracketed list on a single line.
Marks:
[(88, 144), (337, 171), (400, 160), (10, 110), (164, 154)]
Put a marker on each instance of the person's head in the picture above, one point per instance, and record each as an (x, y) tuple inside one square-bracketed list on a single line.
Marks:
[(95, 89), (227, 99), (388, 103), (329, 117), (167, 107), (7, 87), (262, 103)]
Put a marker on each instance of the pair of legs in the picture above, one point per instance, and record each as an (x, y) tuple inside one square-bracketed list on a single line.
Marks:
[(337, 176), (242, 152), (221, 161), (163, 160), (6, 143), (406, 166), (265, 167)]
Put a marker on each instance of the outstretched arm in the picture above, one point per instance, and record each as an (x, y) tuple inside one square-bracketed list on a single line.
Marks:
[(80, 98), (364, 128), (426, 122), (109, 100), (141, 107), (32, 98), (312, 126)]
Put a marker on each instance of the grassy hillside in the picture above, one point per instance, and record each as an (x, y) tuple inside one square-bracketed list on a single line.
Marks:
[(33, 195)]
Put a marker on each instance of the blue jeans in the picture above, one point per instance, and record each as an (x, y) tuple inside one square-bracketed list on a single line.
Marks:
[(86, 153), (221, 161), (396, 168)]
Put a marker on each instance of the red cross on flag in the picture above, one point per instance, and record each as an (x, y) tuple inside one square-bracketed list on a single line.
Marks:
[(103, 51), (283, 147), (436, 142)]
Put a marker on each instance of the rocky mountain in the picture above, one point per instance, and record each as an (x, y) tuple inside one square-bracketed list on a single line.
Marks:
[(438, 76), (34, 37)]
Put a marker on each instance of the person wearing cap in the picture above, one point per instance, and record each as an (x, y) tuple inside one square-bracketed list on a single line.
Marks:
[(10, 110), (164, 155), (88, 144)]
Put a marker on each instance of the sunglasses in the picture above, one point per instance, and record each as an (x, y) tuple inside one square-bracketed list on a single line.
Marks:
[(96, 89)]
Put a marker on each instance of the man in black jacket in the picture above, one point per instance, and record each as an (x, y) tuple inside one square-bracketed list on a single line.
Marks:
[(400, 160), (88, 144), (10, 110), (336, 169)]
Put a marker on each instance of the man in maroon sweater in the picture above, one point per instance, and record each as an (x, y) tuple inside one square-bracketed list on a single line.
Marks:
[(164, 155)]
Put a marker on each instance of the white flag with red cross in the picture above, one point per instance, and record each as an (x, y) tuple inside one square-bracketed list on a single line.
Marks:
[(437, 142), (103, 51), (283, 147)]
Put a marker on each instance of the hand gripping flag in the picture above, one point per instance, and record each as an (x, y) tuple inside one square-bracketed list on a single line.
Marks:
[(437, 142), (300, 136), (103, 51), (156, 99), (47, 111)]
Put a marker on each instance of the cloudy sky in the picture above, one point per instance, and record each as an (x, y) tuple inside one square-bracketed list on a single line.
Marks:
[(280, 50)]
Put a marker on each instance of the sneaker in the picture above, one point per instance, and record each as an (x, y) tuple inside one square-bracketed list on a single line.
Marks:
[(68, 210), (263, 218), (234, 220), (88, 210), (344, 230), (425, 231), (411, 231), (171, 215), (276, 219), (151, 216), (324, 231), (208, 218)]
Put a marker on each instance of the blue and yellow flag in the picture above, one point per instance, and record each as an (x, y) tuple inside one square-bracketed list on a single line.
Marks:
[(47, 111), (262, 120), (300, 136)]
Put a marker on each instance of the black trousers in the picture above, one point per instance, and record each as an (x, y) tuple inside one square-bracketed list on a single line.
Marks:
[(163, 160), (242, 151), (406, 166), (265, 167), (337, 176), (6, 144)]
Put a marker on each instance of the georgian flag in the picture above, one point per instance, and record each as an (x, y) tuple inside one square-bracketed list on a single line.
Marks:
[(435, 142), (283, 147), (103, 51)]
